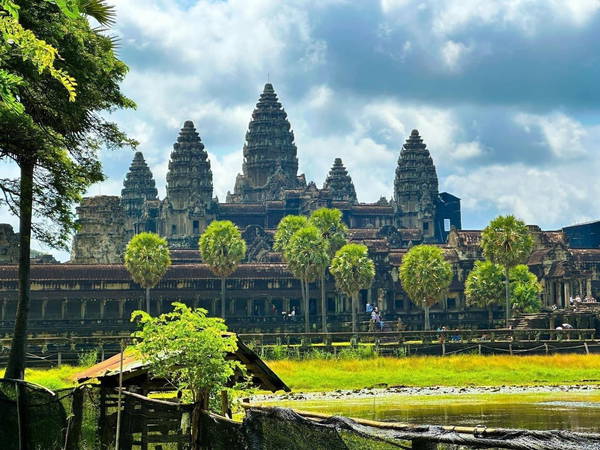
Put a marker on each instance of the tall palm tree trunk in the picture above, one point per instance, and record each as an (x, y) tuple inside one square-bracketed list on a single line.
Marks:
[(148, 300), (323, 305), (426, 313), (354, 312), (507, 292), (223, 306), (16, 359), (306, 307)]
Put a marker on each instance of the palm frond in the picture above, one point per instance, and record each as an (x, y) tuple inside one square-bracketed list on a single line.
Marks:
[(100, 10)]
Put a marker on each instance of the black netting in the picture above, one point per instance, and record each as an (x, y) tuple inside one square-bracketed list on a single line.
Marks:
[(31, 413)]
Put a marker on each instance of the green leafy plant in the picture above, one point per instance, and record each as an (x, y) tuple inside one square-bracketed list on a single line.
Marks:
[(525, 289), (147, 259), (425, 276), (353, 270), (188, 348), (484, 286), (222, 248)]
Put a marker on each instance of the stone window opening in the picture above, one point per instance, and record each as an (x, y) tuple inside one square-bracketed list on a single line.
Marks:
[(173, 229), (196, 227)]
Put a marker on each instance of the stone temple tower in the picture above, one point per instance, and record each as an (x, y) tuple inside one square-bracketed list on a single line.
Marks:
[(340, 184), (139, 193), (270, 162), (416, 188), (185, 212)]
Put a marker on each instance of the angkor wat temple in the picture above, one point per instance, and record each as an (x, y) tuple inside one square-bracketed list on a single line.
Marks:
[(93, 292)]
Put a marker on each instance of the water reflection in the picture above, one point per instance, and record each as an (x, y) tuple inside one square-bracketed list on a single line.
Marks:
[(550, 414)]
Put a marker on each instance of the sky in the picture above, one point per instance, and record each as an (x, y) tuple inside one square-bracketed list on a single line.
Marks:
[(504, 93)]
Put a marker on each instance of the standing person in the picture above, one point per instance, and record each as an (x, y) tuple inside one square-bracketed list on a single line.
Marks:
[(368, 308)]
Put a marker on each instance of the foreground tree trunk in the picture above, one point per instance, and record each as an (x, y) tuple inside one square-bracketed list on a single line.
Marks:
[(306, 307), (148, 300), (507, 291), (426, 313), (16, 359), (354, 308), (223, 306), (490, 310), (323, 305)]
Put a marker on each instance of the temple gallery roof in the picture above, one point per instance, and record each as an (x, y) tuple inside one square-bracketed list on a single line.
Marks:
[(118, 272)]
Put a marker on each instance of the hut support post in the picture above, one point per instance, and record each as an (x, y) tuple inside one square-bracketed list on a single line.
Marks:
[(225, 410)]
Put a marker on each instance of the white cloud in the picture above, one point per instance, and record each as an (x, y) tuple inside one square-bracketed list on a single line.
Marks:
[(561, 195), (563, 135), (453, 54)]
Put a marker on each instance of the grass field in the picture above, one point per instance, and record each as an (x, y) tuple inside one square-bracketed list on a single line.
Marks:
[(461, 370)]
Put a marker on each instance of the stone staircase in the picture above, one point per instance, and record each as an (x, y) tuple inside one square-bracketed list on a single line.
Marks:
[(529, 321)]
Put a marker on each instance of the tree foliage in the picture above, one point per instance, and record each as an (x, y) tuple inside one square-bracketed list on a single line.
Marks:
[(147, 259), (187, 348), (485, 284), (306, 254), (352, 268), (286, 229), (222, 247), (484, 287), (525, 290), (58, 137), (425, 276), (53, 140), (506, 241), (15, 39), (333, 230)]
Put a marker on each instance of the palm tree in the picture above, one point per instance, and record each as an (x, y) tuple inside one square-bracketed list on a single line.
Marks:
[(147, 259), (425, 276), (222, 248), (306, 256), (353, 270), (333, 231), (506, 241)]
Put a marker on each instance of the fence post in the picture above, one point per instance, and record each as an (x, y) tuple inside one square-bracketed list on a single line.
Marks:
[(510, 348), (546, 347), (22, 416), (74, 428), (587, 350), (443, 348)]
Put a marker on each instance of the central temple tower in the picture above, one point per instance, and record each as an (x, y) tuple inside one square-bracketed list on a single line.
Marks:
[(270, 162)]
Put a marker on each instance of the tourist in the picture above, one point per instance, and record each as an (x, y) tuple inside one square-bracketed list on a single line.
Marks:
[(571, 301), (293, 313), (577, 299), (567, 326), (369, 308), (284, 315)]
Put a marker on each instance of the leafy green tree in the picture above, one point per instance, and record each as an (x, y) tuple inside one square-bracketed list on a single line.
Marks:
[(147, 259), (484, 286), (333, 231), (306, 257), (353, 270), (425, 275), (189, 349), (54, 140), (222, 248), (506, 241), (14, 38), (286, 229), (525, 290)]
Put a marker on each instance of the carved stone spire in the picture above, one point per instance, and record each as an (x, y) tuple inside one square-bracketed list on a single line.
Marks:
[(416, 186), (270, 162), (189, 179), (340, 183), (138, 186)]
